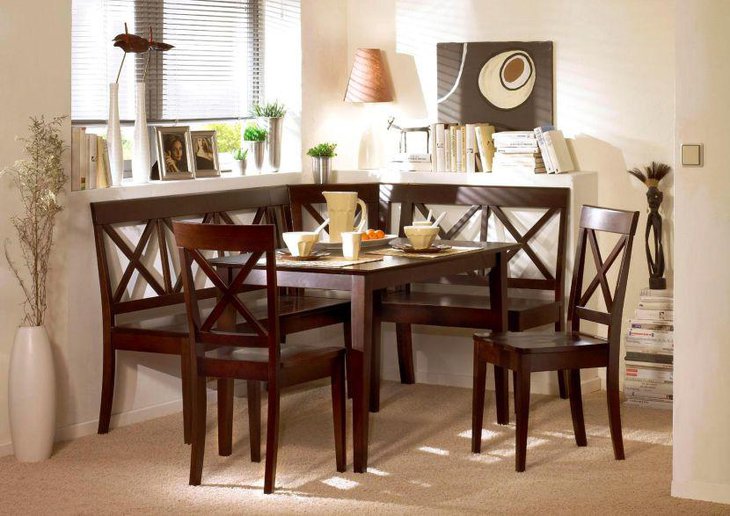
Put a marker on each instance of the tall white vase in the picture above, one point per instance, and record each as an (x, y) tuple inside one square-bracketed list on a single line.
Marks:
[(32, 395), (114, 136), (141, 149)]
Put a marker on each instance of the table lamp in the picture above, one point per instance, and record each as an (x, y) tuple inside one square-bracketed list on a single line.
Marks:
[(368, 83)]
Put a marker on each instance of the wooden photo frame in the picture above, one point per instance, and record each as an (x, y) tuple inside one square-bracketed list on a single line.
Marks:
[(175, 153), (205, 153)]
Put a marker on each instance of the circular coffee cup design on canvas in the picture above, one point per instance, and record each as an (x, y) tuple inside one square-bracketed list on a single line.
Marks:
[(507, 79)]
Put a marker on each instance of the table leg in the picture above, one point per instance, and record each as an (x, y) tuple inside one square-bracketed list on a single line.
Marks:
[(375, 362), (362, 322), (498, 291)]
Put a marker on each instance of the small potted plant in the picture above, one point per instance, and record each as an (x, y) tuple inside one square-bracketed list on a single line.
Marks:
[(322, 155), (239, 159), (273, 116), (256, 138)]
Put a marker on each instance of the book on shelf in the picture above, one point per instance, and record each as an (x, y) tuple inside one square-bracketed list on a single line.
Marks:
[(666, 293), (410, 166), (470, 148), (559, 154), (666, 326), (540, 138), (78, 135), (650, 403), (643, 370), (644, 356), (440, 145), (485, 145)]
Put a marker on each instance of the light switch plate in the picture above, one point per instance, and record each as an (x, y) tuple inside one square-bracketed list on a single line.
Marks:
[(692, 155)]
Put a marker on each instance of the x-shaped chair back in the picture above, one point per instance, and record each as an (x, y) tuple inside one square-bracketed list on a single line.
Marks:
[(593, 221), (257, 241), (493, 202)]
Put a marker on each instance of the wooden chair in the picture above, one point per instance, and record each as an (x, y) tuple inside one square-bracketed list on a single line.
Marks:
[(251, 351), (466, 310), (573, 350)]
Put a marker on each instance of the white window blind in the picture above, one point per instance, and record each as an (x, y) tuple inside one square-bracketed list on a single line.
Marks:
[(214, 71)]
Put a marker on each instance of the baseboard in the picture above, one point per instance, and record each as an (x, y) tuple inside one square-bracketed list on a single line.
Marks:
[(465, 380), (706, 491), (130, 417)]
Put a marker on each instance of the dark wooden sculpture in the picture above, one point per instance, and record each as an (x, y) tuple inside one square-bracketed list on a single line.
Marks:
[(651, 177)]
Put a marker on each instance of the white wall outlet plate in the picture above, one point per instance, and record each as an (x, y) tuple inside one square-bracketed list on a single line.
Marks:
[(692, 155)]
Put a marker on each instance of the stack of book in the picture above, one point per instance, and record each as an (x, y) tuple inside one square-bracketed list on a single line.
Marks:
[(650, 351), (554, 150), (462, 147), (89, 161), (411, 161), (517, 151)]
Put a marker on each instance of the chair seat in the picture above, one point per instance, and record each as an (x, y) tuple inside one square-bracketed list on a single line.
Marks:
[(523, 313), (290, 353), (176, 324), (541, 342)]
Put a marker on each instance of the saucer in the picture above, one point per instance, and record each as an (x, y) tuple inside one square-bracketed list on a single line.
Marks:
[(315, 255), (408, 248)]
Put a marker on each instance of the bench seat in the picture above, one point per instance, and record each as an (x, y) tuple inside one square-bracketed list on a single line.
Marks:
[(420, 308)]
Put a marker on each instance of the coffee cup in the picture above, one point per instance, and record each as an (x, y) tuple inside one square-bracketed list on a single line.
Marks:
[(300, 243), (421, 237), (351, 242)]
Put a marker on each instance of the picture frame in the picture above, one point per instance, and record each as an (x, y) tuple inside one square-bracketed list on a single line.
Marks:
[(175, 153), (205, 153)]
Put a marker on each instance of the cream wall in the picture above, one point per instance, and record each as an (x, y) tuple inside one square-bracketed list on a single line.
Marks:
[(614, 82), (702, 328)]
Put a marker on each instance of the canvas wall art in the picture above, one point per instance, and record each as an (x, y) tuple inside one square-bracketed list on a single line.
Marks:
[(507, 83)]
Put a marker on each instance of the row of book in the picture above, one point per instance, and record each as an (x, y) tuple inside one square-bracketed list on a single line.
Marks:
[(649, 377), (89, 161), (479, 148)]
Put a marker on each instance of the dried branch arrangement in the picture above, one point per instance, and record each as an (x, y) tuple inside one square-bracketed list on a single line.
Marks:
[(652, 174), (40, 179)]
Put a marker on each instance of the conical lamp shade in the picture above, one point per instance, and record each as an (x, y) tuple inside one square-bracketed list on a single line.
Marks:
[(368, 78)]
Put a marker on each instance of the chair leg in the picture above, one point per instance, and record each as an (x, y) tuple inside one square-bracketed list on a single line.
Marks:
[(253, 397), (477, 405), (347, 330), (272, 438), (197, 448), (339, 414), (107, 388), (563, 388), (187, 396), (576, 408), (614, 414), (225, 416), (405, 353), (501, 395), (522, 389), (375, 364)]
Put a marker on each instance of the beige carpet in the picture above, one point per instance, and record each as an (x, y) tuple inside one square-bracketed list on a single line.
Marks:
[(419, 463)]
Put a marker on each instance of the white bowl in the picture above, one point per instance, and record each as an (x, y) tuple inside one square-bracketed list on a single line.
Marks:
[(300, 243), (421, 237)]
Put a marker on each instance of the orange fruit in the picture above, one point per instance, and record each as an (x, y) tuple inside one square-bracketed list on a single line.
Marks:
[(370, 232), (380, 234), (365, 237)]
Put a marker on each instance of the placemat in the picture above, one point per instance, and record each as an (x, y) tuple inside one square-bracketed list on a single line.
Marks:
[(389, 251), (324, 262)]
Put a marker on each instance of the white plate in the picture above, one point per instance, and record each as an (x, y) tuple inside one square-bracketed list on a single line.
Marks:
[(366, 244)]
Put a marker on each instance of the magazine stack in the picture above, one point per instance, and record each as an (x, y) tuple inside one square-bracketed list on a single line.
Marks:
[(649, 351)]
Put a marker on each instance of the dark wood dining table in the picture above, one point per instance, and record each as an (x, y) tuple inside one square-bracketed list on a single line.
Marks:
[(366, 282)]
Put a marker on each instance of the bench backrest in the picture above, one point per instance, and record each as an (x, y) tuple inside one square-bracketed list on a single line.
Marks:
[(479, 204), (153, 257)]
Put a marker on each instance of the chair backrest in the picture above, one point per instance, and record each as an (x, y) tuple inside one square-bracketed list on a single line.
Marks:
[(218, 328), (594, 220), (486, 202), (152, 218), (307, 198)]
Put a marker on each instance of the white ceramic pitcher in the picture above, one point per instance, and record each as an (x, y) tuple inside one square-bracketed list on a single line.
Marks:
[(341, 212)]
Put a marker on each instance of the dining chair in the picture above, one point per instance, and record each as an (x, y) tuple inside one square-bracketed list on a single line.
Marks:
[(249, 350), (572, 350)]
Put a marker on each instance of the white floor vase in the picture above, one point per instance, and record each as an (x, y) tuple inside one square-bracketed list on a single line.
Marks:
[(32, 395)]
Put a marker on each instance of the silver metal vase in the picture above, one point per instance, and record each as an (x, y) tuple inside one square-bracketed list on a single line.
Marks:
[(273, 141), (256, 153), (321, 168)]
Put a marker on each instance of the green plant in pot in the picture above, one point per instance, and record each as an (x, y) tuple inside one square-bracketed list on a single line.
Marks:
[(322, 155), (40, 180), (272, 115), (256, 138), (239, 159)]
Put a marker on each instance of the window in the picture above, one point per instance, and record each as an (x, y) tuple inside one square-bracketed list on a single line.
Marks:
[(214, 71)]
